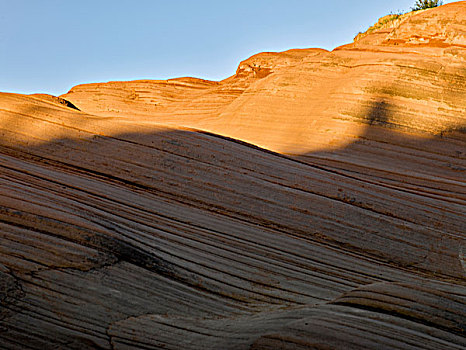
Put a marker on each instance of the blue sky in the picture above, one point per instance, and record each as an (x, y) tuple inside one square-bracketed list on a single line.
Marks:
[(51, 45)]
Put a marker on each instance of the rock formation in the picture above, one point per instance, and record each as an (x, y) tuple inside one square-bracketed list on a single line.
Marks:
[(314, 200)]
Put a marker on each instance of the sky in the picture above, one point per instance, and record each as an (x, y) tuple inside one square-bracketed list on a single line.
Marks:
[(50, 46)]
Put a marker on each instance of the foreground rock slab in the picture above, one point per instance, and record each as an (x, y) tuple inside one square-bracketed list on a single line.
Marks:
[(315, 200)]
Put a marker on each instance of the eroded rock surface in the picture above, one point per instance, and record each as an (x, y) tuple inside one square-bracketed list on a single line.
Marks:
[(314, 200)]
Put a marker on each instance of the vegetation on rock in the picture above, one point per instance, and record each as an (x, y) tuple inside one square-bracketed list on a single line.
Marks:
[(426, 4)]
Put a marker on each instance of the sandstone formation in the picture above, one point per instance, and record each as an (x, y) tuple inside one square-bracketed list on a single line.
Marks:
[(314, 200)]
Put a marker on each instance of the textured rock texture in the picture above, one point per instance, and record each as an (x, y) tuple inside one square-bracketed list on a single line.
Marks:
[(314, 200)]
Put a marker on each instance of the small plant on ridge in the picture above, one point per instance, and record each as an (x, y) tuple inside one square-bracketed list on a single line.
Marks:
[(426, 4)]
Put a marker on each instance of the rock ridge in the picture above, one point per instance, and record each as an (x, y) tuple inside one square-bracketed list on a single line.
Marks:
[(312, 200)]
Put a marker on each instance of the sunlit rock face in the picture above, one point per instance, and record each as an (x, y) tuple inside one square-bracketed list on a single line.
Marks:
[(406, 74), (313, 200)]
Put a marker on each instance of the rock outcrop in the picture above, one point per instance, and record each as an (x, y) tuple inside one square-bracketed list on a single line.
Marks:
[(314, 200)]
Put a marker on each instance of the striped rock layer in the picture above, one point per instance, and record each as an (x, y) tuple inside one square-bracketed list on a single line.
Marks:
[(314, 200)]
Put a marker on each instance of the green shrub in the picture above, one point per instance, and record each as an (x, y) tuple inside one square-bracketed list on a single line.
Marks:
[(426, 4)]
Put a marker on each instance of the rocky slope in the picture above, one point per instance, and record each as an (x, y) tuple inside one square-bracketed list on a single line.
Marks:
[(313, 200)]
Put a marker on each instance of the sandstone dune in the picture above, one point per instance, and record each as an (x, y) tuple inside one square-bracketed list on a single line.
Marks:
[(313, 200)]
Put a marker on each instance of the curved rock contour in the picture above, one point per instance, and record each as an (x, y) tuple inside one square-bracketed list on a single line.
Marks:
[(314, 200)]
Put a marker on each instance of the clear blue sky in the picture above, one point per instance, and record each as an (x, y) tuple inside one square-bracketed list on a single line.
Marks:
[(51, 45)]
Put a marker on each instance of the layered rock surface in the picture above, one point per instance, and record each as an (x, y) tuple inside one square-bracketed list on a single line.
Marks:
[(313, 200)]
